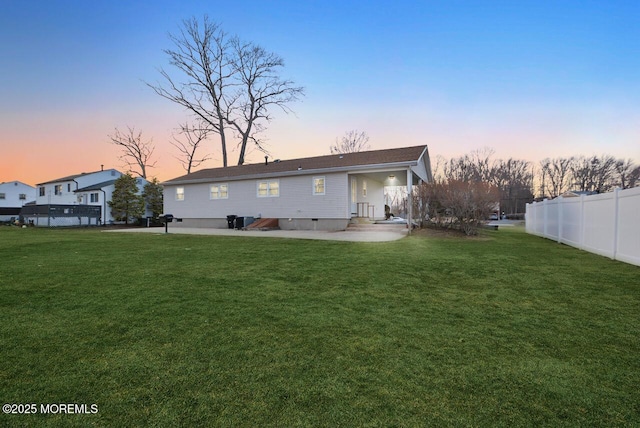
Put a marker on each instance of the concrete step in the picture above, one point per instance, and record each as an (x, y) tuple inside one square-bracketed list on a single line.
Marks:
[(374, 227)]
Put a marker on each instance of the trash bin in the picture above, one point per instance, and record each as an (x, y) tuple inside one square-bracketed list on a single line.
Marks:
[(239, 222), (231, 221)]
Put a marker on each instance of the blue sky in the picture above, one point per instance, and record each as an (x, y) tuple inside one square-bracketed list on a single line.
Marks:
[(530, 79)]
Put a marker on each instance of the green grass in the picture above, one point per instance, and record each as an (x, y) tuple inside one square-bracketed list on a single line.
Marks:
[(173, 330)]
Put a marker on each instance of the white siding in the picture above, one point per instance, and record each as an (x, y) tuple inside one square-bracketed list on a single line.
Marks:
[(67, 196), (12, 191), (296, 199)]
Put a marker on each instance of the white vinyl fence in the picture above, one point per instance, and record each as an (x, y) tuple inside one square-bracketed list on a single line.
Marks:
[(607, 224)]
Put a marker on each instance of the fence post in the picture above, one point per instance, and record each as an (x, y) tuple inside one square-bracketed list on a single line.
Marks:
[(545, 217), (582, 225), (616, 225), (560, 217)]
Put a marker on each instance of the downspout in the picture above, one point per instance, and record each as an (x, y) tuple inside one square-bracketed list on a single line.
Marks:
[(77, 187), (409, 200), (104, 204)]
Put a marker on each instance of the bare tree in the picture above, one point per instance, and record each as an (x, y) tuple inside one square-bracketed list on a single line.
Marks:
[(476, 166), (582, 174), (351, 142), (228, 83), (557, 175), (482, 164), (604, 169), (201, 54), (595, 174), (256, 72), (514, 178), (192, 136), (136, 153), (439, 168), (627, 173)]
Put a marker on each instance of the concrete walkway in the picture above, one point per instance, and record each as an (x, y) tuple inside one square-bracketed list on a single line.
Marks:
[(348, 235)]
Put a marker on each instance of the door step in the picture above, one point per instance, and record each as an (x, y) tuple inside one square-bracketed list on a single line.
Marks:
[(264, 224)]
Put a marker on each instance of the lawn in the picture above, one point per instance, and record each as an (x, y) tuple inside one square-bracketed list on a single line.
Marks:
[(505, 329)]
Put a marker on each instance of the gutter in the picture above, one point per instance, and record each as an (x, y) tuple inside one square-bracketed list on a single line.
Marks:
[(348, 169)]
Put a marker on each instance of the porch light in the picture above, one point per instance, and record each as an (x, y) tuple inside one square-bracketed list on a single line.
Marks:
[(392, 177)]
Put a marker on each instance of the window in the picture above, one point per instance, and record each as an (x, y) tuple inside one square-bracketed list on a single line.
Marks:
[(3, 196), (268, 189), (364, 188), (179, 193), (68, 187), (57, 189), (94, 197), (318, 185), (42, 191), (23, 196), (219, 191)]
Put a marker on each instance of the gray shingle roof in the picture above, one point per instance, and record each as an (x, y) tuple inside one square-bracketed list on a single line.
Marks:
[(73, 177), (328, 162), (97, 186)]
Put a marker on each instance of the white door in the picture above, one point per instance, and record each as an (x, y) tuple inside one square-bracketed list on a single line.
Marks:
[(354, 196)]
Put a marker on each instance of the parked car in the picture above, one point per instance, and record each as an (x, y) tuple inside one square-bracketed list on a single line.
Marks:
[(493, 216)]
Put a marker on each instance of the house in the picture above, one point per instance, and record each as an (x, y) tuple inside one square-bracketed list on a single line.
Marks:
[(13, 195), (317, 193), (75, 200), (578, 193), (100, 194), (61, 191)]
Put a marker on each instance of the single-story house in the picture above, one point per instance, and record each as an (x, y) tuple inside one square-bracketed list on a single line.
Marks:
[(316, 193), (13, 196)]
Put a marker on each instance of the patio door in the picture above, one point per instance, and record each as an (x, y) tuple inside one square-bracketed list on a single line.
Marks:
[(354, 196)]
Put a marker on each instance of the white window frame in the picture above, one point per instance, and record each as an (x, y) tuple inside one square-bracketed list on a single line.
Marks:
[(221, 191), (180, 193), (95, 196), (364, 188), (57, 189), (3, 196), (42, 191), (315, 181), (271, 189), (22, 196)]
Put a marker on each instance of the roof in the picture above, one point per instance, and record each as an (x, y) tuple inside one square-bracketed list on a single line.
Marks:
[(15, 183), (72, 177), (336, 162), (97, 186)]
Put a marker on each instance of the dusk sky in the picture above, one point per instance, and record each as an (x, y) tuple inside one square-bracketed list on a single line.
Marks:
[(530, 79)]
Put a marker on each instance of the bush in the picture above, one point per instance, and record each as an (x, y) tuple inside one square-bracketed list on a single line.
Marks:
[(456, 204)]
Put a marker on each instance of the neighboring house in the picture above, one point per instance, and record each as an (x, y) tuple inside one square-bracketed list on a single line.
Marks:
[(578, 193), (13, 196), (101, 193), (81, 199), (322, 193), (61, 191)]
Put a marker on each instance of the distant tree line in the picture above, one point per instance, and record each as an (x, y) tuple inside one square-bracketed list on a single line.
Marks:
[(467, 189), (513, 178), (595, 174)]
